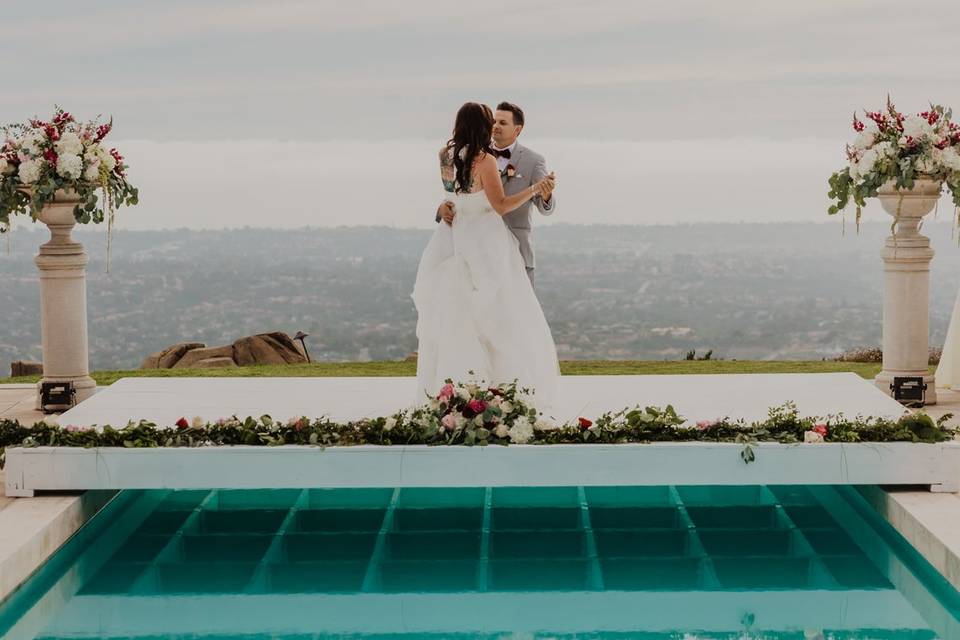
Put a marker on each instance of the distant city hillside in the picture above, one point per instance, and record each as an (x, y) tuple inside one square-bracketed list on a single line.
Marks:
[(750, 291)]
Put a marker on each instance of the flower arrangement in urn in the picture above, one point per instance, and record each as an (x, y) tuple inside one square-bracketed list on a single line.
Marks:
[(44, 159), (895, 149)]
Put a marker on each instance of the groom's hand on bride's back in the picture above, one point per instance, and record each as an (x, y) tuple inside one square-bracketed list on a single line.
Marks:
[(446, 212)]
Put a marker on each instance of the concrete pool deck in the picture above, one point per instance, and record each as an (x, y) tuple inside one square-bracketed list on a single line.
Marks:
[(32, 529)]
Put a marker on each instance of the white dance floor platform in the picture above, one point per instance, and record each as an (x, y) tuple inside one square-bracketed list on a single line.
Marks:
[(696, 397)]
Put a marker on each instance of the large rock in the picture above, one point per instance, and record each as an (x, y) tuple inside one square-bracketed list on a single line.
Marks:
[(214, 363), (264, 348), (267, 348), (190, 358), (170, 356), (152, 361)]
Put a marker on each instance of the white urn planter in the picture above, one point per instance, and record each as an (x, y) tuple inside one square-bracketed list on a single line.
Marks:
[(62, 263), (906, 285)]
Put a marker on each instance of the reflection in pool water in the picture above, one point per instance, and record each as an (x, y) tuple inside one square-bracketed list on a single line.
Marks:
[(568, 562)]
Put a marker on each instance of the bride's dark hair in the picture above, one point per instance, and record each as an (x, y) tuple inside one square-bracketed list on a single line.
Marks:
[(471, 136)]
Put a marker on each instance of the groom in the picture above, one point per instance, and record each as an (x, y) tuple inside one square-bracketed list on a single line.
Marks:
[(520, 168)]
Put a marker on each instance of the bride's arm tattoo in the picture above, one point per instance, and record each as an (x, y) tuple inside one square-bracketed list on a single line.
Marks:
[(448, 172)]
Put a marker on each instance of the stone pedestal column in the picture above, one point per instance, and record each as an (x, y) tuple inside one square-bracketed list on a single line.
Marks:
[(63, 301), (906, 286)]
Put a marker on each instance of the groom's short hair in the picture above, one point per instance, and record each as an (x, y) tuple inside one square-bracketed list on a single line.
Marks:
[(514, 109)]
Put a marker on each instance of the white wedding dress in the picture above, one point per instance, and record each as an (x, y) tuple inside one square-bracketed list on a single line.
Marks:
[(477, 311), (948, 371)]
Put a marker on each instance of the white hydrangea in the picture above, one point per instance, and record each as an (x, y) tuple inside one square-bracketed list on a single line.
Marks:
[(70, 166), (69, 144), (950, 158), (521, 432), (917, 127), (32, 140), (92, 172), (868, 160), (29, 171), (97, 154), (885, 149), (108, 160)]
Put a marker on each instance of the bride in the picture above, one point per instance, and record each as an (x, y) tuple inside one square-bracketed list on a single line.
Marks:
[(478, 316)]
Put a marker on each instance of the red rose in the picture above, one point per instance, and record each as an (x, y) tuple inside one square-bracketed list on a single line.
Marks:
[(584, 423), (182, 423), (477, 406), (820, 428)]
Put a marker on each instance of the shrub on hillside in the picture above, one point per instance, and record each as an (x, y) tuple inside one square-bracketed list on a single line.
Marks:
[(875, 354)]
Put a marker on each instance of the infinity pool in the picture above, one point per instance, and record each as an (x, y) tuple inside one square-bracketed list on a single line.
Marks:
[(531, 563)]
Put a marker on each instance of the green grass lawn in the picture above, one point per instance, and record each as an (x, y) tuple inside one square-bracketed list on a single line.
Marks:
[(569, 367)]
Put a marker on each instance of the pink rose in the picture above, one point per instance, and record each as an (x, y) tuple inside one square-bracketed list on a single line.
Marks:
[(446, 392), (477, 406), (820, 428), (449, 422)]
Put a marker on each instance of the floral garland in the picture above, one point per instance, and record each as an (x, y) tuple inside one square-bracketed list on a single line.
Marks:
[(892, 146), (40, 158), (472, 414)]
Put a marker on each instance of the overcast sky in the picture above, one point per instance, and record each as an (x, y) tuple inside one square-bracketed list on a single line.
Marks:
[(293, 113)]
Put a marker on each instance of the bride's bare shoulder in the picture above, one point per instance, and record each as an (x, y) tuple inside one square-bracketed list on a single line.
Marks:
[(484, 158)]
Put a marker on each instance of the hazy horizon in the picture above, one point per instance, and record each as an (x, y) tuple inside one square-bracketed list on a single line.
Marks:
[(213, 185)]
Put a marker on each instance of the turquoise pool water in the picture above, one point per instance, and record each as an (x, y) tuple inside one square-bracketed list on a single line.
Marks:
[(522, 563)]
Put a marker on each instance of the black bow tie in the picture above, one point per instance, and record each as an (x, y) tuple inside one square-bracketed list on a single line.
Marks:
[(501, 153)]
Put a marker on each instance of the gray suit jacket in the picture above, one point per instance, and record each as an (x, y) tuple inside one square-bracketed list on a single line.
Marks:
[(530, 168)]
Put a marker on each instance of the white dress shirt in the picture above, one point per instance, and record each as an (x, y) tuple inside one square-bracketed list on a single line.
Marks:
[(503, 162)]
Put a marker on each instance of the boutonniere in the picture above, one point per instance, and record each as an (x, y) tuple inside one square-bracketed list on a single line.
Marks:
[(510, 171)]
